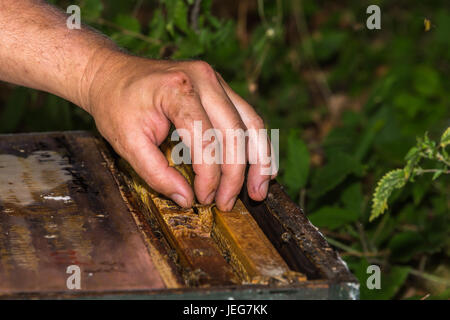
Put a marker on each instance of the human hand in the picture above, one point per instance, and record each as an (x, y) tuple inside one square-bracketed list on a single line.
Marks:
[(134, 101)]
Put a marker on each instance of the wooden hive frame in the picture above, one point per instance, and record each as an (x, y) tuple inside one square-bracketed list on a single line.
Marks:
[(305, 252), (211, 244), (203, 253)]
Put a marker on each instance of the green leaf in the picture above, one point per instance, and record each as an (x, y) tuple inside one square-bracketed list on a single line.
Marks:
[(328, 44), (339, 166), (206, 6), (391, 281), (367, 138), (409, 104), (392, 180), (445, 138), (91, 9), (437, 174), (297, 163), (157, 25), (352, 198), (128, 22), (188, 48), (412, 159), (426, 81), (180, 15), (382, 235), (405, 245), (332, 217), (381, 91)]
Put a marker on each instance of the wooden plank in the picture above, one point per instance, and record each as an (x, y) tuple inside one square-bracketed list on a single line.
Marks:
[(250, 252), (68, 205), (199, 256), (300, 243), (247, 249), (59, 206)]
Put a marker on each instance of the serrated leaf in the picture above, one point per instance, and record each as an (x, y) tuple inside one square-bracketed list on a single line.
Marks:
[(412, 153), (392, 180), (412, 158), (445, 138)]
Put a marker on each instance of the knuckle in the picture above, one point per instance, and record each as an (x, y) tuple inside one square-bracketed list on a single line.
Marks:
[(257, 122), (232, 121), (178, 79), (205, 68), (236, 124)]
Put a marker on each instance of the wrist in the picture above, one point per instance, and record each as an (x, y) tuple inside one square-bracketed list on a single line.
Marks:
[(98, 72)]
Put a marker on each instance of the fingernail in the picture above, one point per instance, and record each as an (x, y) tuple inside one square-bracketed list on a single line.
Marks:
[(209, 199), (263, 188), (178, 198), (230, 204)]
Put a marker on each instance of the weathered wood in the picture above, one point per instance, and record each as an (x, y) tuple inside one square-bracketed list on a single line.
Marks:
[(300, 243), (198, 254), (72, 205), (250, 252), (239, 237), (59, 206)]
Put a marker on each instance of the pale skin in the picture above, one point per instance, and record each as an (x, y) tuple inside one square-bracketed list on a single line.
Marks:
[(133, 100)]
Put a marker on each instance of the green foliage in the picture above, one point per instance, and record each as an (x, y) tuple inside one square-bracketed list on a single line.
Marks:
[(445, 139), (392, 180), (297, 162), (391, 281), (92, 9), (333, 217), (292, 60), (14, 110), (396, 179), (334, 172)]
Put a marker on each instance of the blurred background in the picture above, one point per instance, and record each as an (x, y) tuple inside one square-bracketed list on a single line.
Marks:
[(349, 103)]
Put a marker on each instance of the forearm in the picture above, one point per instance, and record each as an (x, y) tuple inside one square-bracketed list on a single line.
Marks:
[(37, 50), (134, 101)]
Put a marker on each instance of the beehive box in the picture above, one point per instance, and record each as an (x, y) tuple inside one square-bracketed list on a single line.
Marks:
[(66, 199)]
